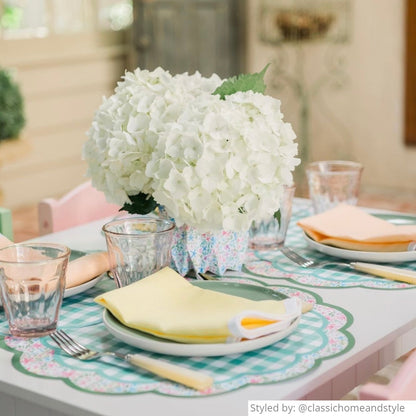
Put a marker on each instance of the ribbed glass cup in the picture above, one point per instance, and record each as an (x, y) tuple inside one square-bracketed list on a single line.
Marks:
[(138, 246), (32, 283), (332, 182), (271, 233)]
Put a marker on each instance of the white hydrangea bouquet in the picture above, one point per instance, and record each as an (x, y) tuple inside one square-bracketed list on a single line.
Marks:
[(215, 154)]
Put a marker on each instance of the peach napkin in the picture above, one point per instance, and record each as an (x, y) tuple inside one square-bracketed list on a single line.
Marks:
[(350, 227), (86, 268)]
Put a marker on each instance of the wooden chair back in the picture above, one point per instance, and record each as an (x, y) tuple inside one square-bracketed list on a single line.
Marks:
[(79, 206)]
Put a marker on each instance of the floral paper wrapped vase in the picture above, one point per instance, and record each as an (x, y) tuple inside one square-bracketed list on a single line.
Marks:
[(215, 154)]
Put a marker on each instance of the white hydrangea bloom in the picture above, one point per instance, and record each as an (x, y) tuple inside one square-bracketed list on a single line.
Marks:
[(213, 164)]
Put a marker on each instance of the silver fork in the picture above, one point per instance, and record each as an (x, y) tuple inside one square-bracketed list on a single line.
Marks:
[(307, 263), (388, 272), (190, 378)]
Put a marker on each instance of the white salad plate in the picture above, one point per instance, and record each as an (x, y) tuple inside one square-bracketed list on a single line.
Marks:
[(83, 287)]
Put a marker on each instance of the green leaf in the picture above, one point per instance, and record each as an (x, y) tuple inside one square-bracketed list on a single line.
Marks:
[(244, 82), (278, 216), (140, 204)]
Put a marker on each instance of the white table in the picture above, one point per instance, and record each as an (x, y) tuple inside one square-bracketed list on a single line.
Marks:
[(384, 328)]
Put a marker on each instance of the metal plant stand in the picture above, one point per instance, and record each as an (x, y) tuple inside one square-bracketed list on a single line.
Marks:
[(292, 26)]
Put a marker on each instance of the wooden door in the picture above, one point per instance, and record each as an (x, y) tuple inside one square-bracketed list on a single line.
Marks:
[(190, 35)]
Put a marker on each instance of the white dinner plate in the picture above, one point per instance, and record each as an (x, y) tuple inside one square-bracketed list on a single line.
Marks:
[(154, 344), (370, 256), (83, 287)]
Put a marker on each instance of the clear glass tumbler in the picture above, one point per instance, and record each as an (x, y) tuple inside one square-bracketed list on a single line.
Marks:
[(138, 246), (332, 182), (32, 283), (270, 234)]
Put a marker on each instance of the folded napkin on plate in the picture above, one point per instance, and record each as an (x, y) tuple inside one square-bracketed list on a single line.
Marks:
[(85, 268), (349, 227), (166, 305)]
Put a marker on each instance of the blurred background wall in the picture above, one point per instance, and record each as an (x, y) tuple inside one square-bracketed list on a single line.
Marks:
[(65, 56), (343, 89), (356, 90)]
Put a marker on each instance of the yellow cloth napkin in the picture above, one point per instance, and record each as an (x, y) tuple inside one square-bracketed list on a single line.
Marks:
[(166, 305), (349, 227)]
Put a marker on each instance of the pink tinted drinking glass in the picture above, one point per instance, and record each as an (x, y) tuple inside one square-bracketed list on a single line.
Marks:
[(32, 283)]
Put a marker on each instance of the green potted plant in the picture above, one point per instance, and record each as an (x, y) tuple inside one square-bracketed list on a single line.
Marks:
[(12, 118)]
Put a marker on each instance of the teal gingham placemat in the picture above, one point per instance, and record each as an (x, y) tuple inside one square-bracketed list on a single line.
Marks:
[(274, 264), (321, 334)]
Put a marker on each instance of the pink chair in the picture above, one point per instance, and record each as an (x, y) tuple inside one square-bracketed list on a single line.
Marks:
[(82, 204), (401, 387)]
